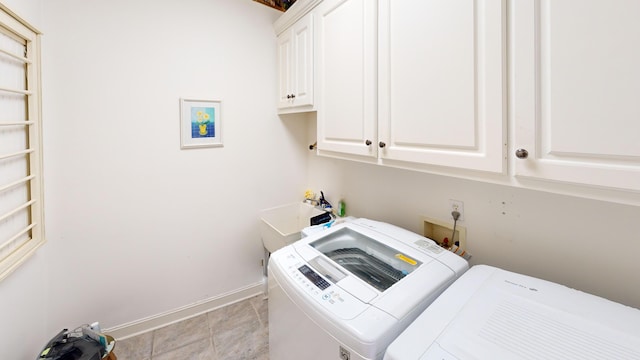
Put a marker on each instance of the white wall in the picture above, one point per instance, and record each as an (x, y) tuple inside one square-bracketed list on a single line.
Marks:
[(136, 226), (28, 10), (587, 244), (23, 294), (23, 315)]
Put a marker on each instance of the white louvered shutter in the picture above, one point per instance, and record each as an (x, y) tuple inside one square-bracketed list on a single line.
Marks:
[(21, 219)]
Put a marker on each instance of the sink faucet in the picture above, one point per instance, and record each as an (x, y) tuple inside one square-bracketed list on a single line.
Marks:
[(320, 203), (313, 202)]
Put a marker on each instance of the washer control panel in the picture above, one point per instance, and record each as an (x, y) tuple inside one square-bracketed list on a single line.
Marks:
[(329, 295), (313, 276)]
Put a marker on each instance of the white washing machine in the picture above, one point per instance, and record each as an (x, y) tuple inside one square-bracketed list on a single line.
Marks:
[(347, 292), (495, 314)]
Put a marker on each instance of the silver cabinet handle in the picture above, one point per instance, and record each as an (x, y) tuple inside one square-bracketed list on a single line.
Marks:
[(522, 154)]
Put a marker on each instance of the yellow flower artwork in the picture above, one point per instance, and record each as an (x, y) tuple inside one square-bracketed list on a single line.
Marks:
[(202, 122)]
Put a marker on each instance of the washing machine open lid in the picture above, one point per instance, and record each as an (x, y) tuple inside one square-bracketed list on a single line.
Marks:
[(413, 274), (373, 262)]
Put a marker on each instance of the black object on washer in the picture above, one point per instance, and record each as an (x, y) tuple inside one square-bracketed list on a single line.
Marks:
[(320, 219)]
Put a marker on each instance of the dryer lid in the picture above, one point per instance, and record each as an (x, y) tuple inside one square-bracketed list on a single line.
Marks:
[(505, 315)]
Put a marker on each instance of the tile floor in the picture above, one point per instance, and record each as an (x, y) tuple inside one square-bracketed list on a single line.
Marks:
[(239, 331)]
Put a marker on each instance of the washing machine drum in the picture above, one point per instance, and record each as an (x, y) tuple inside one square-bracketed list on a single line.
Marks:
[(371, 261)]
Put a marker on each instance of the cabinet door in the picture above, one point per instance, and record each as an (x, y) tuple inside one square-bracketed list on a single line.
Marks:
[(303, 61), (295, 65), (576, 91), (285, 69), (346, 65), (442, 82)]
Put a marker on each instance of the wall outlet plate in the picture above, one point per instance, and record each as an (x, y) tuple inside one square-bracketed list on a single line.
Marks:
[(456, 205)]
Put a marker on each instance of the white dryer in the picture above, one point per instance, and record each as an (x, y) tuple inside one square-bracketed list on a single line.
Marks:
[(495, 314), (347, 292)]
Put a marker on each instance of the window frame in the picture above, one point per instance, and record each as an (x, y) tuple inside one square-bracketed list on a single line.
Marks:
[(14, 26)]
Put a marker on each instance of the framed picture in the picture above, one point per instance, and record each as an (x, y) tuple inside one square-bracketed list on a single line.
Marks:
[(200, 123), (281, 5)]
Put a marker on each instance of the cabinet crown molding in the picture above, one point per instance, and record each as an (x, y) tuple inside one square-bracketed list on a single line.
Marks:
[(299, 9)]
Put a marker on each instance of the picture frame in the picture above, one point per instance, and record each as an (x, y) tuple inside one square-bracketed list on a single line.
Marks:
[(281, 5), (200, 123)]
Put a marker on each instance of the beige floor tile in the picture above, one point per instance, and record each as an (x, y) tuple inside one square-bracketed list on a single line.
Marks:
[(199, 350), (232, 316), (180, 334), (235, 332), (250, 341), (134, 348), (260, 303)]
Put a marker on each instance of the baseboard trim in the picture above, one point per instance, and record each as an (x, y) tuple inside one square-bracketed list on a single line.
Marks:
[(153, 322)]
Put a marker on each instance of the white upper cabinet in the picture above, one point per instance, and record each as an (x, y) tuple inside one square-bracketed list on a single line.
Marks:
[(442, 84), (295, 67), (432, 85), (575, 82), (346, 66), (413, 82)]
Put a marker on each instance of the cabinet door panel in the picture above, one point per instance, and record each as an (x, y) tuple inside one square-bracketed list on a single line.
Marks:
[(284, 69), (295, 67), (303, 58), (442, 82), (346, 62), (576, 89), (433, 69)]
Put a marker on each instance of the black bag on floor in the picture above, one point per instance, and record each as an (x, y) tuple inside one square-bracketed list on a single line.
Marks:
[(65, 347)]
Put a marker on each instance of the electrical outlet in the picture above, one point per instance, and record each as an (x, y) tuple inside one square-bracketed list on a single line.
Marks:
[(457, 205)]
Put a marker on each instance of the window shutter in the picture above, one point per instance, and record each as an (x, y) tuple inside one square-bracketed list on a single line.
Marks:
[(21, 218)]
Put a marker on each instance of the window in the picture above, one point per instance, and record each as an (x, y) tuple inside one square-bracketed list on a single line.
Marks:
[(21, 209)]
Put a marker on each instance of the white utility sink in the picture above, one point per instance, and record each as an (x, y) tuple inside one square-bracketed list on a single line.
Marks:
[(281, 225)]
